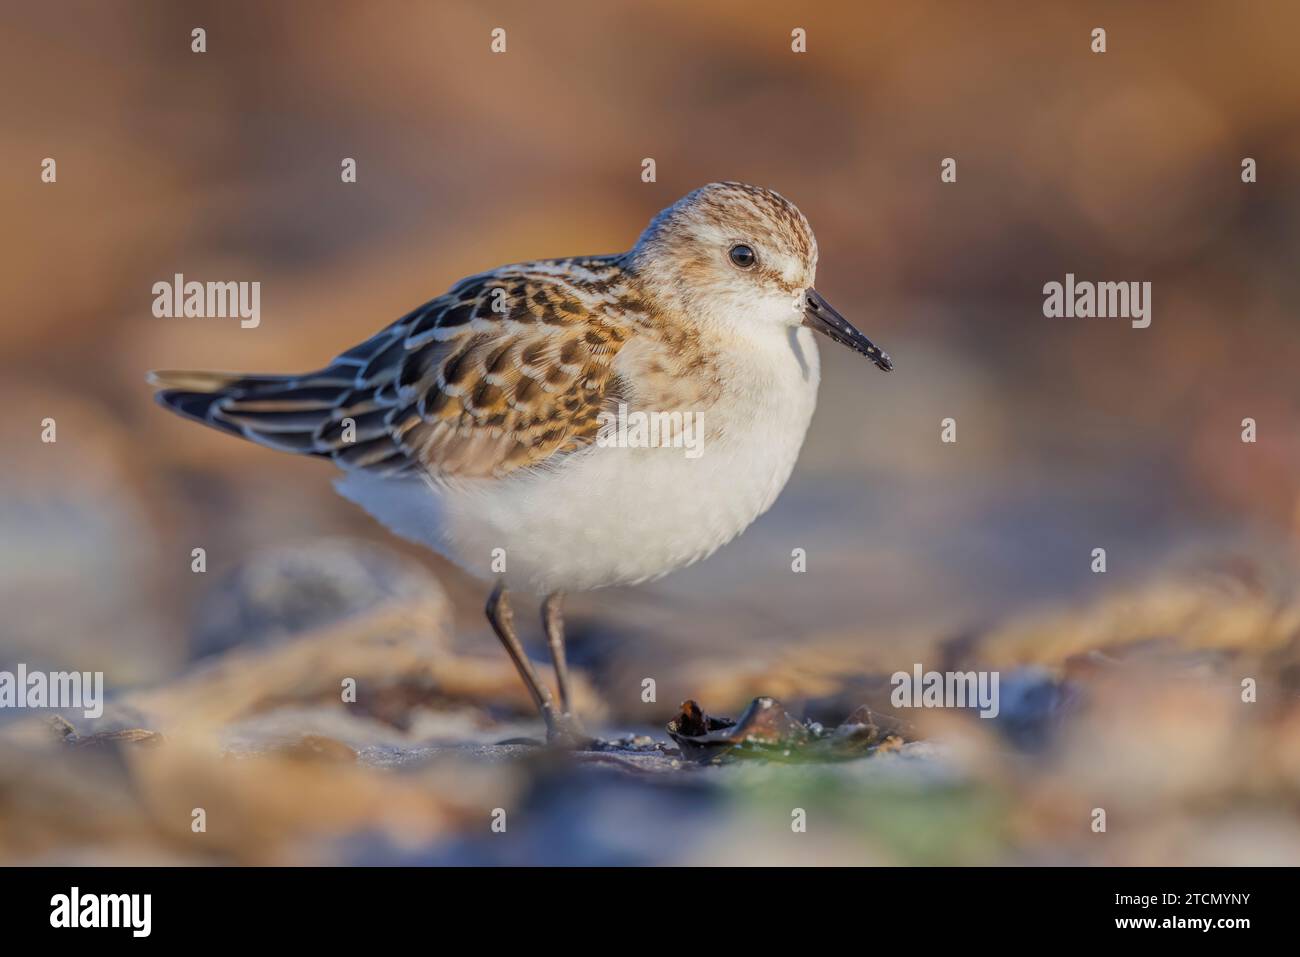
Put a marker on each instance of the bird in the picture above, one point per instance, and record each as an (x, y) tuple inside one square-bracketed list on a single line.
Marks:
[(485, 424)]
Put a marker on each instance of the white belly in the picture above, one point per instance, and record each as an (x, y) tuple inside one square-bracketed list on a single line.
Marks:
[(614, 516)]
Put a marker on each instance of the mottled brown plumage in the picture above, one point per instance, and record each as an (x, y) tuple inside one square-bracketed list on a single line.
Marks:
[(503, 372)]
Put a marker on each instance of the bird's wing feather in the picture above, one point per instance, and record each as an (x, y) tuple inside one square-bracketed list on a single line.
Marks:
[(508, 370)]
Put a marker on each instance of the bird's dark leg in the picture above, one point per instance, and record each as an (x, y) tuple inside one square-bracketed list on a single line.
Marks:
[(502, 620), (553, 622), (561, 727)]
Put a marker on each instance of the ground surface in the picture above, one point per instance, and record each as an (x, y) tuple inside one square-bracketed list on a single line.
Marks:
[(257, 753)]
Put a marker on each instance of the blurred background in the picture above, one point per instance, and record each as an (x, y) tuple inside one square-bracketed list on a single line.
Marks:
[(1121, 690)]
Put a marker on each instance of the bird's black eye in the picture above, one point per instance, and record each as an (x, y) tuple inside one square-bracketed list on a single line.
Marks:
[(742, 256)]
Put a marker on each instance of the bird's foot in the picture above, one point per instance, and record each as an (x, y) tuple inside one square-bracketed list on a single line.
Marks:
[(565, 732)]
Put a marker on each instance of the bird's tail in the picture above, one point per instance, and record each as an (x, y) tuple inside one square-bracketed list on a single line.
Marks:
[(279, 411)]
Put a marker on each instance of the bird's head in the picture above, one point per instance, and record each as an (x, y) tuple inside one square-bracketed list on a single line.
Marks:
[(733, 254)]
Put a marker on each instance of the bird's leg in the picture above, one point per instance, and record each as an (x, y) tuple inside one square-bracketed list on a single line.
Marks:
[(561, 727), (569, 727), (502, 620), (553, 622)]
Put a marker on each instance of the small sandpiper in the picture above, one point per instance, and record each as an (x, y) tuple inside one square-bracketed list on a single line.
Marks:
[(480, 424)]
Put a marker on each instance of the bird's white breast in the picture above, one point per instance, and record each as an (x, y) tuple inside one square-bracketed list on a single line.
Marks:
[(616, 515)]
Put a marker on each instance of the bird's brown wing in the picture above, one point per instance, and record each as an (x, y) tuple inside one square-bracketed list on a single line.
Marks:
[(506, 371)]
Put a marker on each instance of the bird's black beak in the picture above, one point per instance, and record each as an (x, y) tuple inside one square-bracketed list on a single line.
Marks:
[(821, 315)]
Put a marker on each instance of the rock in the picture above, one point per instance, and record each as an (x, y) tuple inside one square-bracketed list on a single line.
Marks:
[(767, 730), (283, 592)]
